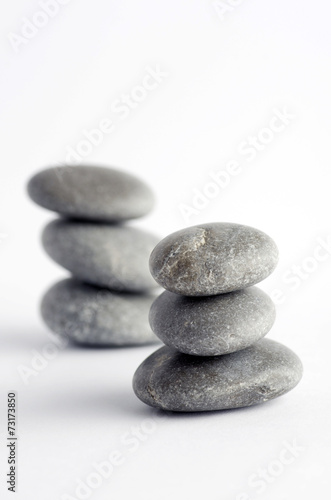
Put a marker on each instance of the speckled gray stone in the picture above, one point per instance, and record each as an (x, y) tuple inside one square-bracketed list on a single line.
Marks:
[(214, 258), (114, 257), (174, 381), (209, 326), (93, 316), (92, 193)]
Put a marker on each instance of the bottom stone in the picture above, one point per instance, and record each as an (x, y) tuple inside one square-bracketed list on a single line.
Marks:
[(174, 381), (89, 315)]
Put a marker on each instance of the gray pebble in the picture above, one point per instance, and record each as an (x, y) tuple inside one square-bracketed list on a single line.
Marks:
[(93, 316), (214, 258), (109, 256), (209, 326), (174, 381), (92, 193)]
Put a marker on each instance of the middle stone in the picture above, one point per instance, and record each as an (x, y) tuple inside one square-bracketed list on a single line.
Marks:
[(211, 326), (105, 255)]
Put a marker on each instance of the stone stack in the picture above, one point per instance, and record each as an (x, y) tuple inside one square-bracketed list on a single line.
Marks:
[(213, 320), (107, 299)]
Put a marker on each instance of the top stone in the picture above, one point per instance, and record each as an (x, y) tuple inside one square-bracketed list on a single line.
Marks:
[(214, 258), (92, 193)]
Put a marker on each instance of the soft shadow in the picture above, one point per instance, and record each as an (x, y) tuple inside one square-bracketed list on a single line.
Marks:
[(75, 346)]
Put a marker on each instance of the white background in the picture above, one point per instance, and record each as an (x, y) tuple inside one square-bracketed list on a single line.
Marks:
[(225, 77)]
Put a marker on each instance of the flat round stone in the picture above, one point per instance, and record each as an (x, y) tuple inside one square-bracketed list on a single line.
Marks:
[(93, 316), (174, 381), (92, 193), (214, 258), (114, 257), (209, 326)]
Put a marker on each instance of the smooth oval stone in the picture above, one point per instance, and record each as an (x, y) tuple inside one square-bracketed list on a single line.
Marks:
[(214, 258), (174, 381), (209, 326), (93, 316), (92, 193), (114, 257)]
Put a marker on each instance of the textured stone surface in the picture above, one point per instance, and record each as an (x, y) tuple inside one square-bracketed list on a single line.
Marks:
[(214, 258), (93, 193), (209, 326), (89, 315), (101, 254), (174, 381)]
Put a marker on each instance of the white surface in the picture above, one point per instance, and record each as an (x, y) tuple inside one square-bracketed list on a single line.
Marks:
[(225, 78)]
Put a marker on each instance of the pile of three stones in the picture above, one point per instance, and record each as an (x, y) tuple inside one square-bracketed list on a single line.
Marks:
[(213, 319), (106, 300)]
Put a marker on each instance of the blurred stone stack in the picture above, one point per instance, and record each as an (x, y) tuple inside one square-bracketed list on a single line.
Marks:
[(107, 299), (212, 321)]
